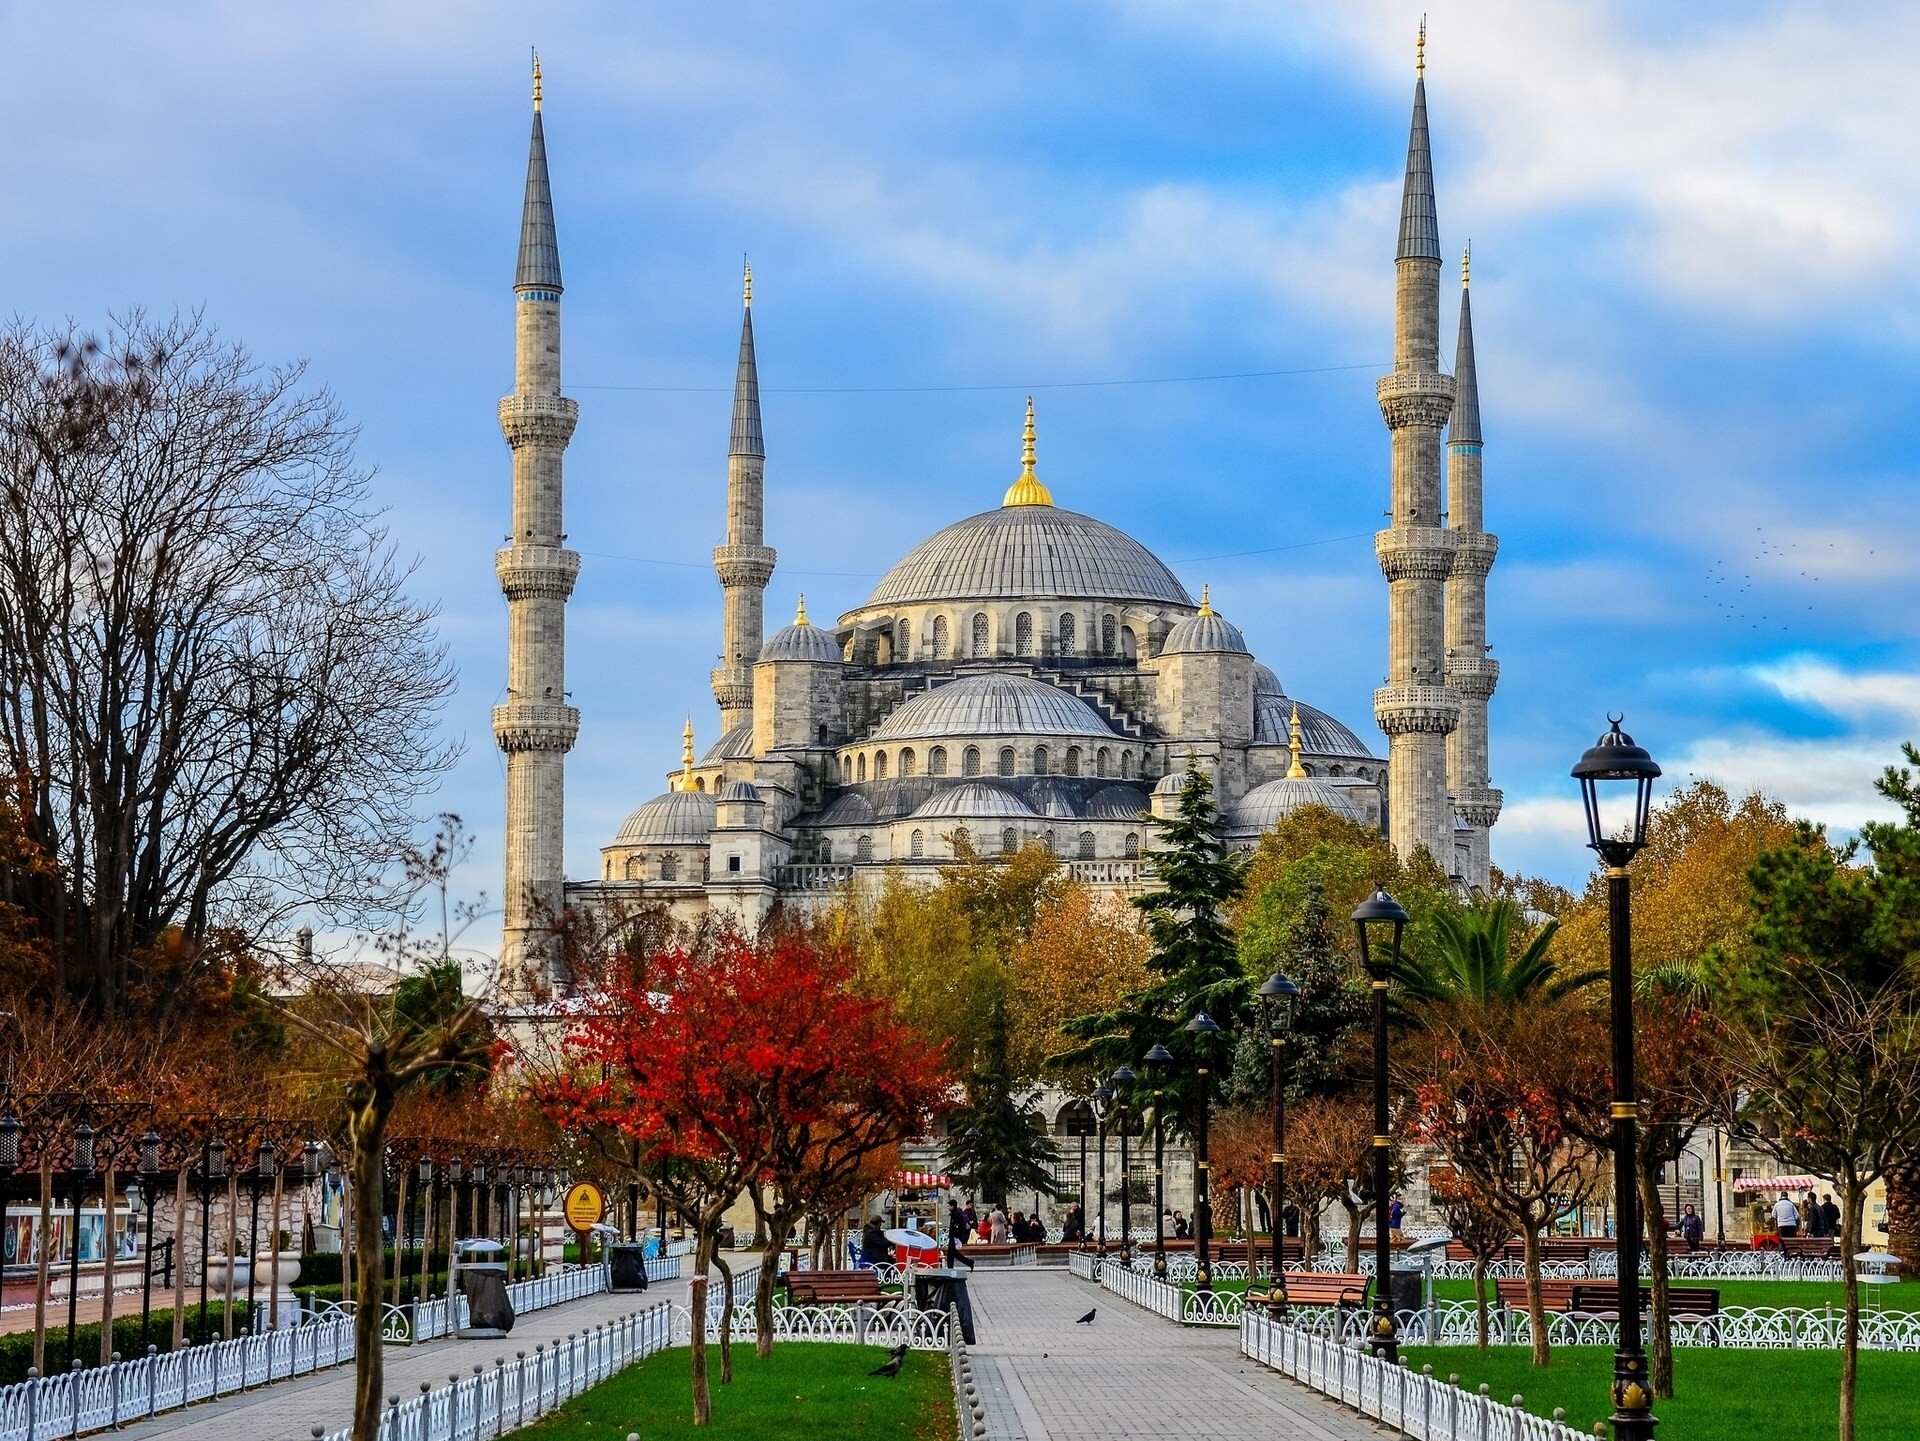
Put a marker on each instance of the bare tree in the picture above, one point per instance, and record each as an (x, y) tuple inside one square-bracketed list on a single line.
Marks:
[(210, 671)]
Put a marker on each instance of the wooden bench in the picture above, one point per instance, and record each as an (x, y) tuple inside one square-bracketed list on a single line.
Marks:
[(1817, 1248), (1315, 1288), (836, 1288), (1692, 1303), (1555, 1295), (1571, 1248)]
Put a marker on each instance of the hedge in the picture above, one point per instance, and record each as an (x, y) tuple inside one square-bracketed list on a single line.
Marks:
[(16, 1347), (322, 1268)]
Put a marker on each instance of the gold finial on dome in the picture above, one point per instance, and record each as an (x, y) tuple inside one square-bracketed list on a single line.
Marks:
[(747, 287), (686, 756), (536, 80), (1027, 490), (800, 611), (1295, 771), (1420, 50), (1206, 600)]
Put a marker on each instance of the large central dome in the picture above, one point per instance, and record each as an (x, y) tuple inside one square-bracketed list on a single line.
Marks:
[(1029, 550)]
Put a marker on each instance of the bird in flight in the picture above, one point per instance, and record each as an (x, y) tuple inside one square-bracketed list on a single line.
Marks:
[(1086, 1320)]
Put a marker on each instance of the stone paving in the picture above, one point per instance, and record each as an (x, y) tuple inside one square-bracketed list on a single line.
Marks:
[(1130, 1376)]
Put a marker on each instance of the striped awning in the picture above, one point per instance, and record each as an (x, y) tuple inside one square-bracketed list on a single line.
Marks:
[(921, 1180), (1797, 1184)]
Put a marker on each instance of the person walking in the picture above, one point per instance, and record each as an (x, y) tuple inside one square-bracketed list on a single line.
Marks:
[(956, 1237), (1692, 1229), (1830, 1214), (1786, 1217)]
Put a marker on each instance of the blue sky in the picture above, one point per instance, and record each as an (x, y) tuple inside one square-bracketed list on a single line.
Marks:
[(1695, 307)]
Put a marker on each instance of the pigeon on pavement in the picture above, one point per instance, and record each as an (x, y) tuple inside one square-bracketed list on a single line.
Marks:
[(1086, 1320)]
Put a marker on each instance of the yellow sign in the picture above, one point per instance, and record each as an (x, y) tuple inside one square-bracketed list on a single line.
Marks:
[(584, 1206)]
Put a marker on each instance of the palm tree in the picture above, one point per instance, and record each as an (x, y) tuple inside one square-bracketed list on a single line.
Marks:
[(1475, 961)]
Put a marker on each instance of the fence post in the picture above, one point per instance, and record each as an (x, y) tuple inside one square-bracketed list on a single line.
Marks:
[(153, 1372), (73, 1391), (520, 1388), (113, 1392)]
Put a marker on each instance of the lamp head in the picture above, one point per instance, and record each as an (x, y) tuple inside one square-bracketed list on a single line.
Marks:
[(1157, 1060), (1379, 911), (1102, 1099), (266, 1161), (1616, 784), (426, 1170), (1123, 1081), (310, 1162), (1278, 994), (83, 1137), (1202, 1025), (454, 1170), (9, 1144), (149, 1165), (215, 1163)]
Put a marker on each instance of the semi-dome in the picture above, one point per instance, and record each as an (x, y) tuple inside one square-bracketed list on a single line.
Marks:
[(1029, 550), (993, 705), (1204, 631), (740, 791), (1115, 803), (1265, 682), (1320, 733), (734, 745), (975, 799), (677, 818), (801, 641), (1261, 808)]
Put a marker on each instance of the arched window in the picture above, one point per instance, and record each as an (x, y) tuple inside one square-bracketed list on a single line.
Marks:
[(861, 770), (1023, 634), (826, 851), (1333, 770), (937, 761), (1133, 846), (979, 635), (1066, 635), (962, 838), (1050, 841), (1086, 845), (863, 849), (970, 761), (634, 864), (823, 735), (1009, 841), (902, 638), (906, 761), (700, 783), (1103, 762), (1129, 647), (879, 765), (1006, 760), (1107, 626), (939, 637), (1040, 760), (669, 868), (1126, 765), (918, 844), (846, 770), (1073, 760)]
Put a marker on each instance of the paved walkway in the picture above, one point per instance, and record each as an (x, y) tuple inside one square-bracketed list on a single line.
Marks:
[(288, 1410), (1130, 1376)]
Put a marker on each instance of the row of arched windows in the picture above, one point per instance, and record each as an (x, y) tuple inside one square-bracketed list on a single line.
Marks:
[(1085, 848), (665, 867), (1114, 639), (1071, 762)]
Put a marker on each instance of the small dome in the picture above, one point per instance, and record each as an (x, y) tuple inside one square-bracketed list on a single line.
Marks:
[(740, 791), (993, 705), (1320, 733), (851, 809), (678, 818), (734, 745), (1265, 682), (1115, 803), (802, 641), (1261, 808), (975, 799), (1171, 784), (1204, 631)]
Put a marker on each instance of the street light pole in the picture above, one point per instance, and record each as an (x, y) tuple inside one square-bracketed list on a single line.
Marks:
[(1102, 1098), (1123, 1084), (1202, 1028), (213, 1167), (9, 1152), (1157, 1061), (1616, 831), (82, 1173), (1381, 909), (265, 1162), (149, 1168), (1277, 997)]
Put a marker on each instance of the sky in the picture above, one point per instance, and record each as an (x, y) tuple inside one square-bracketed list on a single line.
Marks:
[(1695, 312)]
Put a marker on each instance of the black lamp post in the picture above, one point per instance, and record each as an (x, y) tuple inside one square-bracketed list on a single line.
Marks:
[(266, 1161), (519, 1204), (1157, 1061), (1381, 909), (478, 1217), (149, 1170), (1080, 1125), (456, 1193), (425, 1230), (1202, 1028), (1102, 1101), (1277, 999), (213, 1169), (9, 1155), (1616, 782), (1123, 1082), (82, 1173)]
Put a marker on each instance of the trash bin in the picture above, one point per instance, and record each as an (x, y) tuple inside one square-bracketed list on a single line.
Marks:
[(627, 1266), (937, 1288), (489, 1312), (1405, 1290)]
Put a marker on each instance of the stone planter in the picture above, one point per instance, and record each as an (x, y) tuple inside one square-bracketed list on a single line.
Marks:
[(289, 1273), (217, 1267)]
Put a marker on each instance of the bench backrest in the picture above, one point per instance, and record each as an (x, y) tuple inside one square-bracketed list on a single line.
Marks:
[(1603, 1299), (1316, 1288), (1555, 1294)]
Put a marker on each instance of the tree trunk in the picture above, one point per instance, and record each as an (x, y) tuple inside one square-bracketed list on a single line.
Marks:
[(179, 1256), (1660, 1327), (1353, 1237), (367, 1122), (43, 1262), (703, 1249), (106, 1280), (233, 1246), (1480, 1337), (1903, 1214), (1853, 1199), (1536, 1307), (763, 1299), (726, 1317), (400, 1239)]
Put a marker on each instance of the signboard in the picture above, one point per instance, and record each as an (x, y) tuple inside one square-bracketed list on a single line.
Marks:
[(584, 1206)]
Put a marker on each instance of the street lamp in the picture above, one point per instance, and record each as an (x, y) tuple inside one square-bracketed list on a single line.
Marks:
[(425, 1232), (83, 1138), (1202, 1028), (266, 1161), (149, 1170), (1381, 909), (1123, 1082), (456, 1192), (1157, 1061), (1616, 783), (213, 1168), (9, 1154), (1102, 1102), (1277, 998)]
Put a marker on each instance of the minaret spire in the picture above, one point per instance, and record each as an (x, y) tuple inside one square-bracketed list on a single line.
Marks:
[(742, 561), (1470, 672), (1415, 707), (536, 727)]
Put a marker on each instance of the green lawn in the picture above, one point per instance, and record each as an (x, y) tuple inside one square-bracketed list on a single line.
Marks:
[(1721, 1395), (806, 1392)]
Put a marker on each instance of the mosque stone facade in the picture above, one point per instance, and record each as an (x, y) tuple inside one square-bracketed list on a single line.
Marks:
[(1027, 674)]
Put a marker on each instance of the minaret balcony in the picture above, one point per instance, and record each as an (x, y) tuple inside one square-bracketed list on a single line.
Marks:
[(529, 571), (538, 419), (1416, 397), (1417, 709), (1473, 553), (1478, 806), (732, 688), (535, 726), (1414, 552), (1473, 676), (750, 565)]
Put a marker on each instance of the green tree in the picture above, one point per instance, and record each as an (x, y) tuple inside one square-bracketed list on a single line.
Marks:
[(997, 1142), (1476, 959)]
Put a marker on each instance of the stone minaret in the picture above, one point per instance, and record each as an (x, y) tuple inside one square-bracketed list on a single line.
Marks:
[(536, 727), (744, 564), (1415, 707), (1471, 673)]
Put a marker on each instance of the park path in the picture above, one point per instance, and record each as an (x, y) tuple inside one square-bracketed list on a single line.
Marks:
[(1130, 1376), (289, 1410)]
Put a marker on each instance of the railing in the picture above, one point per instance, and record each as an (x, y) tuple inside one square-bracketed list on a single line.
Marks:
[(1763, 1328), (970, 1417), (857, 1324), (1414, 1402), (1084, 1264), (509, 1396), (1155, 1296)]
